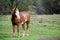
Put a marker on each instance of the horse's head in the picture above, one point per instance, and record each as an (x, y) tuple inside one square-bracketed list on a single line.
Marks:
[(16, 12)]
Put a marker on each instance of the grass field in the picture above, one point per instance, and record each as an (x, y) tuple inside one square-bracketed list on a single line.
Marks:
[(50, 27)]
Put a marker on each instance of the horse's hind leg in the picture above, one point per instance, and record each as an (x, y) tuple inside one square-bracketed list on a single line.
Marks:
[(14, 30), (23, 26), (27, 29), (18, 28)]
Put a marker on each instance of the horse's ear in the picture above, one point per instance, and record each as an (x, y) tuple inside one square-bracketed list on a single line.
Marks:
[(12, 10), (17, 9)]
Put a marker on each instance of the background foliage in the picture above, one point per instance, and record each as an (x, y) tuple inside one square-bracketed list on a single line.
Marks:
[(40, 6)]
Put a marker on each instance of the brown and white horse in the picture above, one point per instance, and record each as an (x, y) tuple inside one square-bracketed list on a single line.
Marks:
[(20, 18)]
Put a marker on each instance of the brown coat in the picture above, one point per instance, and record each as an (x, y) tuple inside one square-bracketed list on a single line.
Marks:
[(16, 21)]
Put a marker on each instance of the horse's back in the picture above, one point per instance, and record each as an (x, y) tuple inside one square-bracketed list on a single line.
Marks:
[(26, 15)]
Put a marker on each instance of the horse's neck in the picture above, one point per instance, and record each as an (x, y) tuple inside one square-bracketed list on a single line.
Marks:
[(17, 14)]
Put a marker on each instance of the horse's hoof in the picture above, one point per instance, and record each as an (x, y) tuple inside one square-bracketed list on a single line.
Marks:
[(27, 34), (18, 36), (14, 35), (23, 35)]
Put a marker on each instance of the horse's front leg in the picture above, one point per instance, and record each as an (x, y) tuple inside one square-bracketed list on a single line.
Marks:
[(23, 26), (18, 28), (13, 30)]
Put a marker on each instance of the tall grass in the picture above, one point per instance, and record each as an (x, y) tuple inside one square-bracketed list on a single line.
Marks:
[(49, 28)]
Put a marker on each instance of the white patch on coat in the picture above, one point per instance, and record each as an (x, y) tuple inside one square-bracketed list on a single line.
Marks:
[(17, 14), (22, 22), (25, 17)]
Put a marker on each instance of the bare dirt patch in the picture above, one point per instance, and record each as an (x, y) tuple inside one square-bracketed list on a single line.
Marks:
[(55, 38)]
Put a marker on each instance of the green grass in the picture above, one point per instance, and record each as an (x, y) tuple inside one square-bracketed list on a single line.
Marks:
[(37, 30)]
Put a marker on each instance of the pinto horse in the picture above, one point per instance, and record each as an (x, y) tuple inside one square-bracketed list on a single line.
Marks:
[(20, 18)]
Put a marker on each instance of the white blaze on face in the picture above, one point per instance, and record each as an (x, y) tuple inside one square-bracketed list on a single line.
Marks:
[(17, 14)]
